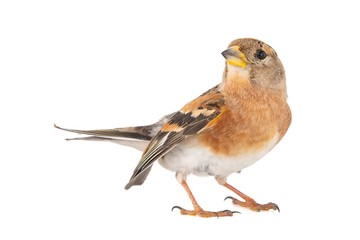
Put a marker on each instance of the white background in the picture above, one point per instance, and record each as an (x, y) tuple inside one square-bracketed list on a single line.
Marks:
[(104, 64)]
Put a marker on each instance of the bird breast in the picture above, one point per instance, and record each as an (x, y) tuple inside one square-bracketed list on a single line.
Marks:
[(190, 157)]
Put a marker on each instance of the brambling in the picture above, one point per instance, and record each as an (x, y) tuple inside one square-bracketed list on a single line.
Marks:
[(223, 131)]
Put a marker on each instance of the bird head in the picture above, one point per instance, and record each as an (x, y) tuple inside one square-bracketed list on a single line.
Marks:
[(254, 61)]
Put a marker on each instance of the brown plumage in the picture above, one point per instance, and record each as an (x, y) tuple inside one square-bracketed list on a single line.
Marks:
[(224, 130)]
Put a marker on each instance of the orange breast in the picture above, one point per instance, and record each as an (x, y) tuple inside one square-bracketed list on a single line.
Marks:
[(248, 124)]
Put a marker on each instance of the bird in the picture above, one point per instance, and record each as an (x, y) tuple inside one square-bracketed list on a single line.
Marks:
[(221, 132)]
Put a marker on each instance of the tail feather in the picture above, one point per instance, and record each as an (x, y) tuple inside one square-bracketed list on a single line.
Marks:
[(135, 133), (136, 137), (134, 143)]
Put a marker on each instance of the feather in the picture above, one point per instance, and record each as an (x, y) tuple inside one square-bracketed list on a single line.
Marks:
[(135, 137), (192, 119)]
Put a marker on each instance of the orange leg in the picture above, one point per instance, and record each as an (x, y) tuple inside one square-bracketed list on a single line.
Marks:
[(249, 202), (198, 211)]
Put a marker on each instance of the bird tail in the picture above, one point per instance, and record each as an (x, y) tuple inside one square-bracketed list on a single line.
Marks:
[(136, 137)]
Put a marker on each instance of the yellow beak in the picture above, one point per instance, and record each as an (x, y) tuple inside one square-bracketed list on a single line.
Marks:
[(235, 57)]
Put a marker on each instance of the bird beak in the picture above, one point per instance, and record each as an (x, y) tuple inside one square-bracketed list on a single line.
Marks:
[(235, 57)]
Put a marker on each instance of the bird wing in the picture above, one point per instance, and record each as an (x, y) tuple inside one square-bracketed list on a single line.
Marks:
[(196, 116)]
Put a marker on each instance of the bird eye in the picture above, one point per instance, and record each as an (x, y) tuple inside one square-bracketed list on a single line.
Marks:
[(260, 54)]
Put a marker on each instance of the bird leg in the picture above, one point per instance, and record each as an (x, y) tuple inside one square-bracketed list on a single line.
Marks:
[(249, 202), (198, 211)]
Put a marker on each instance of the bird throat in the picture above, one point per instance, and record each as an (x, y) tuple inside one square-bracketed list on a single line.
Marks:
[(235, 78)]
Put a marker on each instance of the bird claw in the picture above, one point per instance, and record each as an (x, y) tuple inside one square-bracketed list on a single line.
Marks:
[(229, 197), (277, 207), (176, 207), (251, 204), (205, 214), (233, 212)]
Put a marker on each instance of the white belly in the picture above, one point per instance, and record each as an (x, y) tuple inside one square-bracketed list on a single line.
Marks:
[(188, 159)]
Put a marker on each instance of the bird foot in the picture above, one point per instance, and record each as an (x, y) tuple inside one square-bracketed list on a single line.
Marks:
[(205, 214), (251, 204)]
